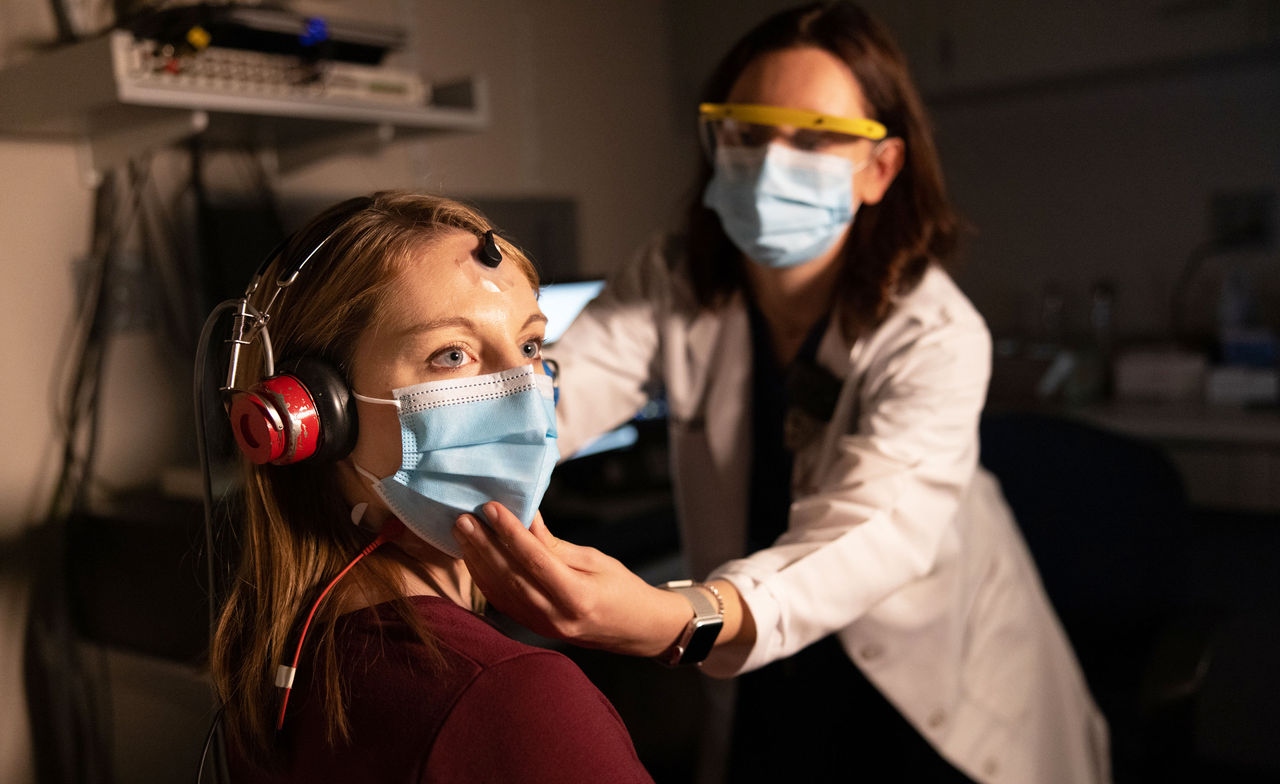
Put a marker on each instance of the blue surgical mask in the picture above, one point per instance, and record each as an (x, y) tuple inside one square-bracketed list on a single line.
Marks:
[(466, 442), (780, 206)]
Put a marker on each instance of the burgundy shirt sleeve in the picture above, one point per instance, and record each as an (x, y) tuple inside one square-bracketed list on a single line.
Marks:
[(530, 719)]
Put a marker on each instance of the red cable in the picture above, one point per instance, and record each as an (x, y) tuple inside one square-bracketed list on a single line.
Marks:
[(390, 530)]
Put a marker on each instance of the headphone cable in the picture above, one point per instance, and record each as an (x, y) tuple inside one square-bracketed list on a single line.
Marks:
[(285, 673), (208, 740), (206, 495), (202, 448)]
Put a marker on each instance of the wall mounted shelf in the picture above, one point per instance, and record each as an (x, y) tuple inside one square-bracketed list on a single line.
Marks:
[(110, 94)]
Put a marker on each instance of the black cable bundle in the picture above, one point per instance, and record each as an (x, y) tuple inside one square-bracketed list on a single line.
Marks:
[(68, 725)]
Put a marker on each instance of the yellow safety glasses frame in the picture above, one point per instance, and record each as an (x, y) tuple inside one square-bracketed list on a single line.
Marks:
[(796, 118), (754, 125)]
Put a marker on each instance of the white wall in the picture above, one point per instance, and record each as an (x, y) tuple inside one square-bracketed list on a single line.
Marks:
[(39, 190), (580, 109), (1111, 180)]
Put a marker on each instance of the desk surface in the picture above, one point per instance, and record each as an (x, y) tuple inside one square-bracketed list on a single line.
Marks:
[(1229, 458), (1209, 425)]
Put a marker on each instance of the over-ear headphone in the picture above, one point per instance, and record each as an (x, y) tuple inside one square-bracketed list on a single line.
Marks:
[(303, 410), (306, 410)]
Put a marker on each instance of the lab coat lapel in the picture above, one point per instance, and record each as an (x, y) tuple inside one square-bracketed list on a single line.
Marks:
[(728, 428), (728, 393), (712, 437), (839, 359)]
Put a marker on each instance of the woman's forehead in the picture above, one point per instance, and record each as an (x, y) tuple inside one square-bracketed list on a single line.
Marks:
[(444, 276), (802, 78)]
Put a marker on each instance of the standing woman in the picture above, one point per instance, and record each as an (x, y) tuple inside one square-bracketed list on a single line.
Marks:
[(824, 377)]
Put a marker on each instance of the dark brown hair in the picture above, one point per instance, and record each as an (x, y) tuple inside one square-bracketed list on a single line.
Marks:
[(891, 243), (296, 533)]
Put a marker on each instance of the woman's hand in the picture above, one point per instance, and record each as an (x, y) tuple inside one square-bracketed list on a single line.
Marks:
[(563, 591)]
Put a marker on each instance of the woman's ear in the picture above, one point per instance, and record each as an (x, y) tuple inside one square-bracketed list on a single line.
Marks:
[(880, 171)]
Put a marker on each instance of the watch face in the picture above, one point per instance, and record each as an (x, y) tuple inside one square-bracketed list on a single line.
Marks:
[(704, 637)]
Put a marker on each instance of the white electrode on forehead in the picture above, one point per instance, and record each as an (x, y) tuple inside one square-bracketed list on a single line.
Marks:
[(483, 270)]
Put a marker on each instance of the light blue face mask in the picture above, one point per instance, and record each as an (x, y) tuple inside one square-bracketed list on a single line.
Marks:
[(780, 206), (466, 442)]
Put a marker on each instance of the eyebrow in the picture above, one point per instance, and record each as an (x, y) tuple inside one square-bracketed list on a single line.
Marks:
[(461, 321)]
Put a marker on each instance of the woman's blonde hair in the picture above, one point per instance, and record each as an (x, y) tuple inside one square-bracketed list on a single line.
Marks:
[(296, 533)]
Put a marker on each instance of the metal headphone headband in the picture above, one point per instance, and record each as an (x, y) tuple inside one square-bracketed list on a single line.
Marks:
[(248, 320)]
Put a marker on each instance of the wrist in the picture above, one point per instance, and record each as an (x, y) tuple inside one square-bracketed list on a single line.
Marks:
[(704, 618), (669, 619)]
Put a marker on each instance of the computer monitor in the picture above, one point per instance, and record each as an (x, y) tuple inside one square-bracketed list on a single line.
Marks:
[(562, 302)]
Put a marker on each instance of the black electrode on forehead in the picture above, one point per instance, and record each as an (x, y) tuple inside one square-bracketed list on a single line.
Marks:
[(489, 254)]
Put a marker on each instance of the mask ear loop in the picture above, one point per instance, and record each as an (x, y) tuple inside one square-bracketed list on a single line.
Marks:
[(379, 400), (373, 480)]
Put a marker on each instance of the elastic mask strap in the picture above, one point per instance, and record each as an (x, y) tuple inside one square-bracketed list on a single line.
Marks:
[(372, 479), (382, 400)]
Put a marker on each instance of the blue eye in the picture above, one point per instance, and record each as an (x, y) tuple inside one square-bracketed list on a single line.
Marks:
[(451, 357), (532, 349)]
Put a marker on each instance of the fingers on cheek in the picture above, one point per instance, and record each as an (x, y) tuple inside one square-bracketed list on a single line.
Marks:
[(497, 516), (468, 532), (478, 537), (486, 563), (492, 560)]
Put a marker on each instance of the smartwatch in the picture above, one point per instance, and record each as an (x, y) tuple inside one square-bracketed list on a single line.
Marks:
[(700, 633)]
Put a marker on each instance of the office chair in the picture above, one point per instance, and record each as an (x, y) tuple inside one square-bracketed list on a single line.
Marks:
[(1107, 520)]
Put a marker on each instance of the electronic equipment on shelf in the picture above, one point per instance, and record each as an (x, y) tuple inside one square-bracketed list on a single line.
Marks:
[(155, 66)]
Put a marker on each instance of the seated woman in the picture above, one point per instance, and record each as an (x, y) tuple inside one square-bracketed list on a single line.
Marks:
[(411, 390)]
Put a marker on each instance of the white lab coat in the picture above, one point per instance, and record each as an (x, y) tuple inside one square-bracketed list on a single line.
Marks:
[(897, 540)]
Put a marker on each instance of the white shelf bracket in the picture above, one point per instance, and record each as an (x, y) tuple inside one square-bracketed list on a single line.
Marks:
[(110, 144)]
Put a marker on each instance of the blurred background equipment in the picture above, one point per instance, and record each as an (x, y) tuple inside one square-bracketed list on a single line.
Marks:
[(233, 74)]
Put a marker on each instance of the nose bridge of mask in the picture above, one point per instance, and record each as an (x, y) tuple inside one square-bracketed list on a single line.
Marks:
[(816, 164), (810, 185), (505, 383), (431, 394), (511, 418), (778, 161)]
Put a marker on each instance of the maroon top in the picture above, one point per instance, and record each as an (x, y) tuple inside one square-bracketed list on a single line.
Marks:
[(498, 711)]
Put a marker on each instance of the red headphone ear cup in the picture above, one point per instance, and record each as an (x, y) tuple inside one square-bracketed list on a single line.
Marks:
[(258, 426), (330, 428), (304, 412)]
